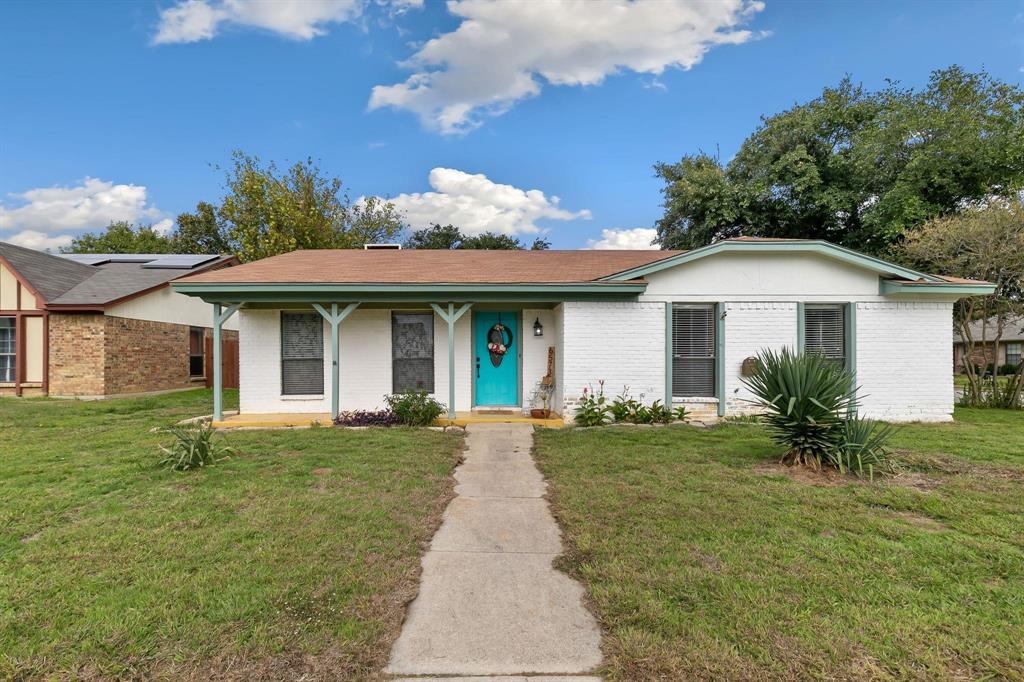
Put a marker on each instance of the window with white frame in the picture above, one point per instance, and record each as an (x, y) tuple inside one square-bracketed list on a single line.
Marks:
[(302, 354), (1013, 353), (8, 346), (825, 330), (412, 352), (693, 350)]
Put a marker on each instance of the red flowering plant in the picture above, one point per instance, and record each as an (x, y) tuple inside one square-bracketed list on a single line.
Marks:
[(593, 409)]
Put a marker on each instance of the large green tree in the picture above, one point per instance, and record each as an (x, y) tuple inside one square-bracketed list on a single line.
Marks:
[(856, 167), (986, 243), (201, 232), (450, 237), (267, 212), (122, 237)]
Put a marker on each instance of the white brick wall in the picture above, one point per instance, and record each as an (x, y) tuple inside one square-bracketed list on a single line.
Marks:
[(365, 363), (749, 328), (905, 360), (904, 355), (535, 352), (622, 343)]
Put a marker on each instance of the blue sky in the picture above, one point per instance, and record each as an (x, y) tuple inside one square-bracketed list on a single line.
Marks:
[(532, 118)]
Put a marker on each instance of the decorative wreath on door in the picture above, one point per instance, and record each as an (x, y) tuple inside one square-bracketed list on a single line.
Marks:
[(499, 340)]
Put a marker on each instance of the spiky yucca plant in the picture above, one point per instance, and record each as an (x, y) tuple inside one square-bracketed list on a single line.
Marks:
[(806, 397)]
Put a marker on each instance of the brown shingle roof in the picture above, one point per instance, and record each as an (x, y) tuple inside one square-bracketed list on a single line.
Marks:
[(422, 266)]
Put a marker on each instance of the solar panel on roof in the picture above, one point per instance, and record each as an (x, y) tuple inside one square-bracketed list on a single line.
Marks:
[(149, 260), (180, 261)]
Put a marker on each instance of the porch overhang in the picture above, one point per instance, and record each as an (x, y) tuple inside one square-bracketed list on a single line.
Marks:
[(411, 293)]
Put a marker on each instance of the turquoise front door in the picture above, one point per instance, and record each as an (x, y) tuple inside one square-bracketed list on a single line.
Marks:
[(496, 358)]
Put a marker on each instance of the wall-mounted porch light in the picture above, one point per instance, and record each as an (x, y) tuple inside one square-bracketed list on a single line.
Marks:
[(538, 328)]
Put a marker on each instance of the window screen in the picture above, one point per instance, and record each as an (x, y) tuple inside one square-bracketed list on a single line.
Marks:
[(302, 354), (7, 348), (825, 331), (693, 351), (195, 352), (412, 352)]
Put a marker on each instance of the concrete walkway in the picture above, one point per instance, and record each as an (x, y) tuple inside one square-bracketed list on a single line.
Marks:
[(490, 602)]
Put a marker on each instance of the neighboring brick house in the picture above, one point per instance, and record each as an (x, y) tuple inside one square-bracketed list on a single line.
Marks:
[(101, 325), (1011, 344), (323, 331)]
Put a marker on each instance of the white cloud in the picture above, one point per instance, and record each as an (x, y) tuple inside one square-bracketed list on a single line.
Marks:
[(636, 238), (91, 205), (190, 21), (476, 204), (31, 239), (503, 52)]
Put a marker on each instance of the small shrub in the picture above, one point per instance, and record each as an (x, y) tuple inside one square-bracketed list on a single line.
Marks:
[(593, 409), (623, 406), (414, 408), (367, 418), (862, 447), (660, 414), (680, 414), (193, 448), (1009, 369), (805, 398)]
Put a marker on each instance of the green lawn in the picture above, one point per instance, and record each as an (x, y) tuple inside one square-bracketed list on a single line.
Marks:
[(296, 557), (706, 560)]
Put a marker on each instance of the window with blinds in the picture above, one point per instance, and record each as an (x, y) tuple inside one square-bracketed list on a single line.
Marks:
[(825, 331), (693, 351), (412, 352), (302, 354)]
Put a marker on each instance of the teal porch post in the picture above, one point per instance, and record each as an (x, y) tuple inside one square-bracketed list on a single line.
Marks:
[(334, 318), (220, 316), (451, 317)]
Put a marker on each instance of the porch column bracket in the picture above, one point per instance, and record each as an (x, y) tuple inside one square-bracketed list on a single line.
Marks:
[(220, 316), (334, 318), (451, 317)]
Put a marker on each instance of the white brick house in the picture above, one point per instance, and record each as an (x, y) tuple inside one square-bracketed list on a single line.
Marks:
[(673, 326)]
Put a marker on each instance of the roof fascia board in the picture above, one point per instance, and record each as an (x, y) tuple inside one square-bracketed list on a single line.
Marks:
[(399, 293), (887, 287), (809, 246)]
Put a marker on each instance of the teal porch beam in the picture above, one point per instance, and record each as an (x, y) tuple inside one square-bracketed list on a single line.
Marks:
[(220, 316), (451, 317), (334, 318)]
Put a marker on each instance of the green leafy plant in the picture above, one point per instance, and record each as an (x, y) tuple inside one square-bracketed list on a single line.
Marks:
[(680, 414), (805, 397), (193, 448), (863, 447), (593, 409), (414, 408), (623, 406), (660, 414)]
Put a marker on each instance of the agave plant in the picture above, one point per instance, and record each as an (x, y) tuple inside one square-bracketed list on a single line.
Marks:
[(862, 448), (193, 448), (806, 398)]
